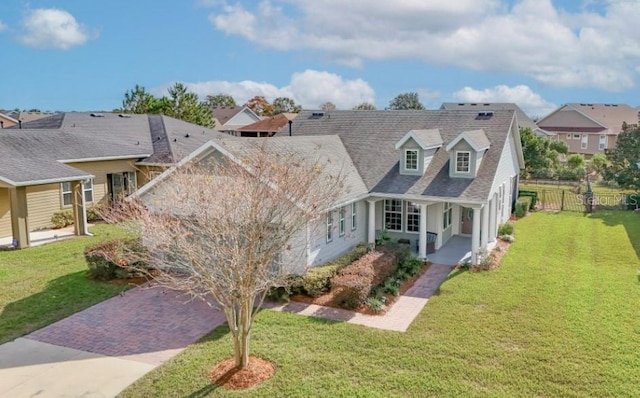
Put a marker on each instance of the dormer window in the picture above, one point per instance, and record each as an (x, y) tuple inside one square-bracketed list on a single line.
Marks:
[(411, 159), (462, 161)]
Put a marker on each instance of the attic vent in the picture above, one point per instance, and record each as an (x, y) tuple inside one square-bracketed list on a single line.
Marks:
[(97, 115), (486, 104), (317, 114), (124, 115), (186, 135), (484, 115)]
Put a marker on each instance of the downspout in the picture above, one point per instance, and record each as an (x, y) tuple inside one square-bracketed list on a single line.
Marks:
[(84, 211), (290, 123)]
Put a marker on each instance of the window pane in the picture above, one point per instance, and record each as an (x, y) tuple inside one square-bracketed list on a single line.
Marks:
[(411, 160), (462, 162), (66, 199)]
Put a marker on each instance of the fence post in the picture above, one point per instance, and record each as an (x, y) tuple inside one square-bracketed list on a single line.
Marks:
[(562, 202)]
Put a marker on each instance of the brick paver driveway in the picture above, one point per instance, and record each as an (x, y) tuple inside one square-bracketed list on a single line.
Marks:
[(145, 324)]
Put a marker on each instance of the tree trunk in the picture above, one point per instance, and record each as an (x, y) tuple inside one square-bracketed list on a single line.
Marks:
[(242, 333)]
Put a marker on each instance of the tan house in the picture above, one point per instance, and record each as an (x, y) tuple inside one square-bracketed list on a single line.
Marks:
[(7, 121), (589, 128), (77, 160), (228, 119), (267, 127)]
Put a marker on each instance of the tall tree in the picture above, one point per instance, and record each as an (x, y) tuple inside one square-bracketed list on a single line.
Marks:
[(365, 106), (232, 250), (139, 101), (541, 161), (285, 104), (260, 105), (624, 159), (409, 100), (328, 106), (221, 99)]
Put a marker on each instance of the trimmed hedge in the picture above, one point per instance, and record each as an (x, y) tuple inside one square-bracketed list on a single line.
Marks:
[(532, 194), (522, 205), (506, 229), (114, 259), (355, 281), (61, 219), (318, 279)]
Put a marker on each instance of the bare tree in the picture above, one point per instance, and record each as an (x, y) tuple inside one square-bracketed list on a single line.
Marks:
[(232, 226), (328, 106)]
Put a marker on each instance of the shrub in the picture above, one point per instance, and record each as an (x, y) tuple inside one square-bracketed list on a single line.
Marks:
[(506, 229), (116, 259), (412, 266), (318, 279), (391, 286), (532, 194), (61, 219), (375, 304), (93, 214), (354, 282), (400, 251)]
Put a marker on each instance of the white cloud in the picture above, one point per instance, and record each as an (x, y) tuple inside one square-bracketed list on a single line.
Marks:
[(53, 28), (310, 89), (530, 102), (3, 26), (591, 47)]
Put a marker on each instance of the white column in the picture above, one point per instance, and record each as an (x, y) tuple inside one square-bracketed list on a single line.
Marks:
[(423, 231), (484, 236), (475, 236), (372, 222), (439, 221), (492, 218)]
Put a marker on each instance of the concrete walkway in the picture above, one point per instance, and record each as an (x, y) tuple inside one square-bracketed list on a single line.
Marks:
[(98, 352), (44, 236)]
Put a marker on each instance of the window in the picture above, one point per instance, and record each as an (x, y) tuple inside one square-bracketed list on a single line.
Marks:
[(411, 159), (67, 194), (584, 142), (568, 136), (576, 136), (603, 142), (341, 222), (393, 214), (447, 215), (329, 227), (121, 184), (462, 161), (413, 217), (354, 216)]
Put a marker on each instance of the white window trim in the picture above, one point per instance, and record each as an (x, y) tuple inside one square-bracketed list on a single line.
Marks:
[(393, 212), (447, 215), (602, 143), (576, 137), (584, 141), (341, 221), (406, 215), (406, 164), (329, 231), (70, 192), (354, 216), (458, 153)]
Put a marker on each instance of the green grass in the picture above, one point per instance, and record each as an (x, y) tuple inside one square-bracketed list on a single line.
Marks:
[(44, 284), (560, 317), (596, 188)]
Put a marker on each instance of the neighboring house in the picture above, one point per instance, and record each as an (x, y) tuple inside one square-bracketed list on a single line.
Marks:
[(589, 128), (425, 177), (267, 127), (230, 118), (46, 165), (7, 121), (524, 121)]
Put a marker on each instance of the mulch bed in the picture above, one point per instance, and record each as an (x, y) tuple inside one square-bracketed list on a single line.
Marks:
[(226, 375), (328, 299)]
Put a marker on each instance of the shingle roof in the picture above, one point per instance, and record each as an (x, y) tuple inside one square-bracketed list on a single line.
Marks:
[(370, 138), (523, 120), (269, 124), (224, 113), (476, 138), (426, 138), (609, 115)]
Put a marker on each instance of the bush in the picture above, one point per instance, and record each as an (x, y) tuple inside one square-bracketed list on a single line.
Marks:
[(354, 282), (532, 194), (113, 259), (93, 214), (61, 219), (400, 251), (375, 304), (520, 210), (506, 229), (633, 201), (318, 279)]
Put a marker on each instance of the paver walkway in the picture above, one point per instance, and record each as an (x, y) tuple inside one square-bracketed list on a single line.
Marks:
[(100, 351)]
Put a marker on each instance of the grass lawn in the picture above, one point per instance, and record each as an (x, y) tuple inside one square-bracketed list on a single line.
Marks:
[(560, 317), (43, 284), (595, 187)]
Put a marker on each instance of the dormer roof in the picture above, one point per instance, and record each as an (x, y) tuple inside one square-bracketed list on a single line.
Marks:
[(476, 138), (426, 138)]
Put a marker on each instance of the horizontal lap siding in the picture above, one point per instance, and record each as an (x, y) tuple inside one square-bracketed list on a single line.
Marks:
[(42, 202), (100, 171), (5, 213)]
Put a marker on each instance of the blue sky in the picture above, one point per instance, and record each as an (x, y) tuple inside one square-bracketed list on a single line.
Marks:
[(83, 55)]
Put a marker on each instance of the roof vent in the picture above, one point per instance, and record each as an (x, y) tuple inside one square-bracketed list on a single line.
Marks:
[(96, 115), (186, 135), (317, 114), (124, 115), (484, 115)]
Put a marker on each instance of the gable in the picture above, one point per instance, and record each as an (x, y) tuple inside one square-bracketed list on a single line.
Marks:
[(568, 118), (242, 118)]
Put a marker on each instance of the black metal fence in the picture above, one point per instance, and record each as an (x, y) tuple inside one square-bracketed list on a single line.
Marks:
[(565, 200)]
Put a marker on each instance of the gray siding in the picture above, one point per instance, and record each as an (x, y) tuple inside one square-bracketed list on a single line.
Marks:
[(462, 145), (411, 144), (507, 168)]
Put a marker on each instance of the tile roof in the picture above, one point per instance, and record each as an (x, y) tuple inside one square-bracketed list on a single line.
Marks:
[(370, 138)]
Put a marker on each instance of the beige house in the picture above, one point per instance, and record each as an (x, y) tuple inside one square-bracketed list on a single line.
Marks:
[(7, 121), (589, 128), (77, 160)]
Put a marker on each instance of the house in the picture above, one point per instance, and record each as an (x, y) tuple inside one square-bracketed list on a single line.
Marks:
[(524, 121), (267, 127), (76, 160), (7, 121), (589, 128), (229, 118), (429, 178)]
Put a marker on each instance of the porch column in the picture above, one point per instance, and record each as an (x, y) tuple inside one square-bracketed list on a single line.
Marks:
[(79, 208), (484, 236), (492, 218), (19, 217), (475, 236), (372, 222), (422, 245)]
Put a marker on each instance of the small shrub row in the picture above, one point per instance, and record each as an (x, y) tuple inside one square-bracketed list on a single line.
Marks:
[(116, 259), (354, 282), (522, 206), (532, 194), (392, 284), (64, 218), (506, 229)]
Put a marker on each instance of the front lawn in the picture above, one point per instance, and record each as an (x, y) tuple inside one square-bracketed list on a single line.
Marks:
[(559, 317), (44, 284)]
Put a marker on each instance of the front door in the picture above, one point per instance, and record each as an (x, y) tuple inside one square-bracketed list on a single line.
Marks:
[(466, 220)]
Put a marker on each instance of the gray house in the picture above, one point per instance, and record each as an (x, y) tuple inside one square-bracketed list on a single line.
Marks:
[(433, 179)]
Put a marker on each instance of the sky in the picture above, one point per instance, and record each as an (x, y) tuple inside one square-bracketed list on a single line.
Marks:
[(65, 55)]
